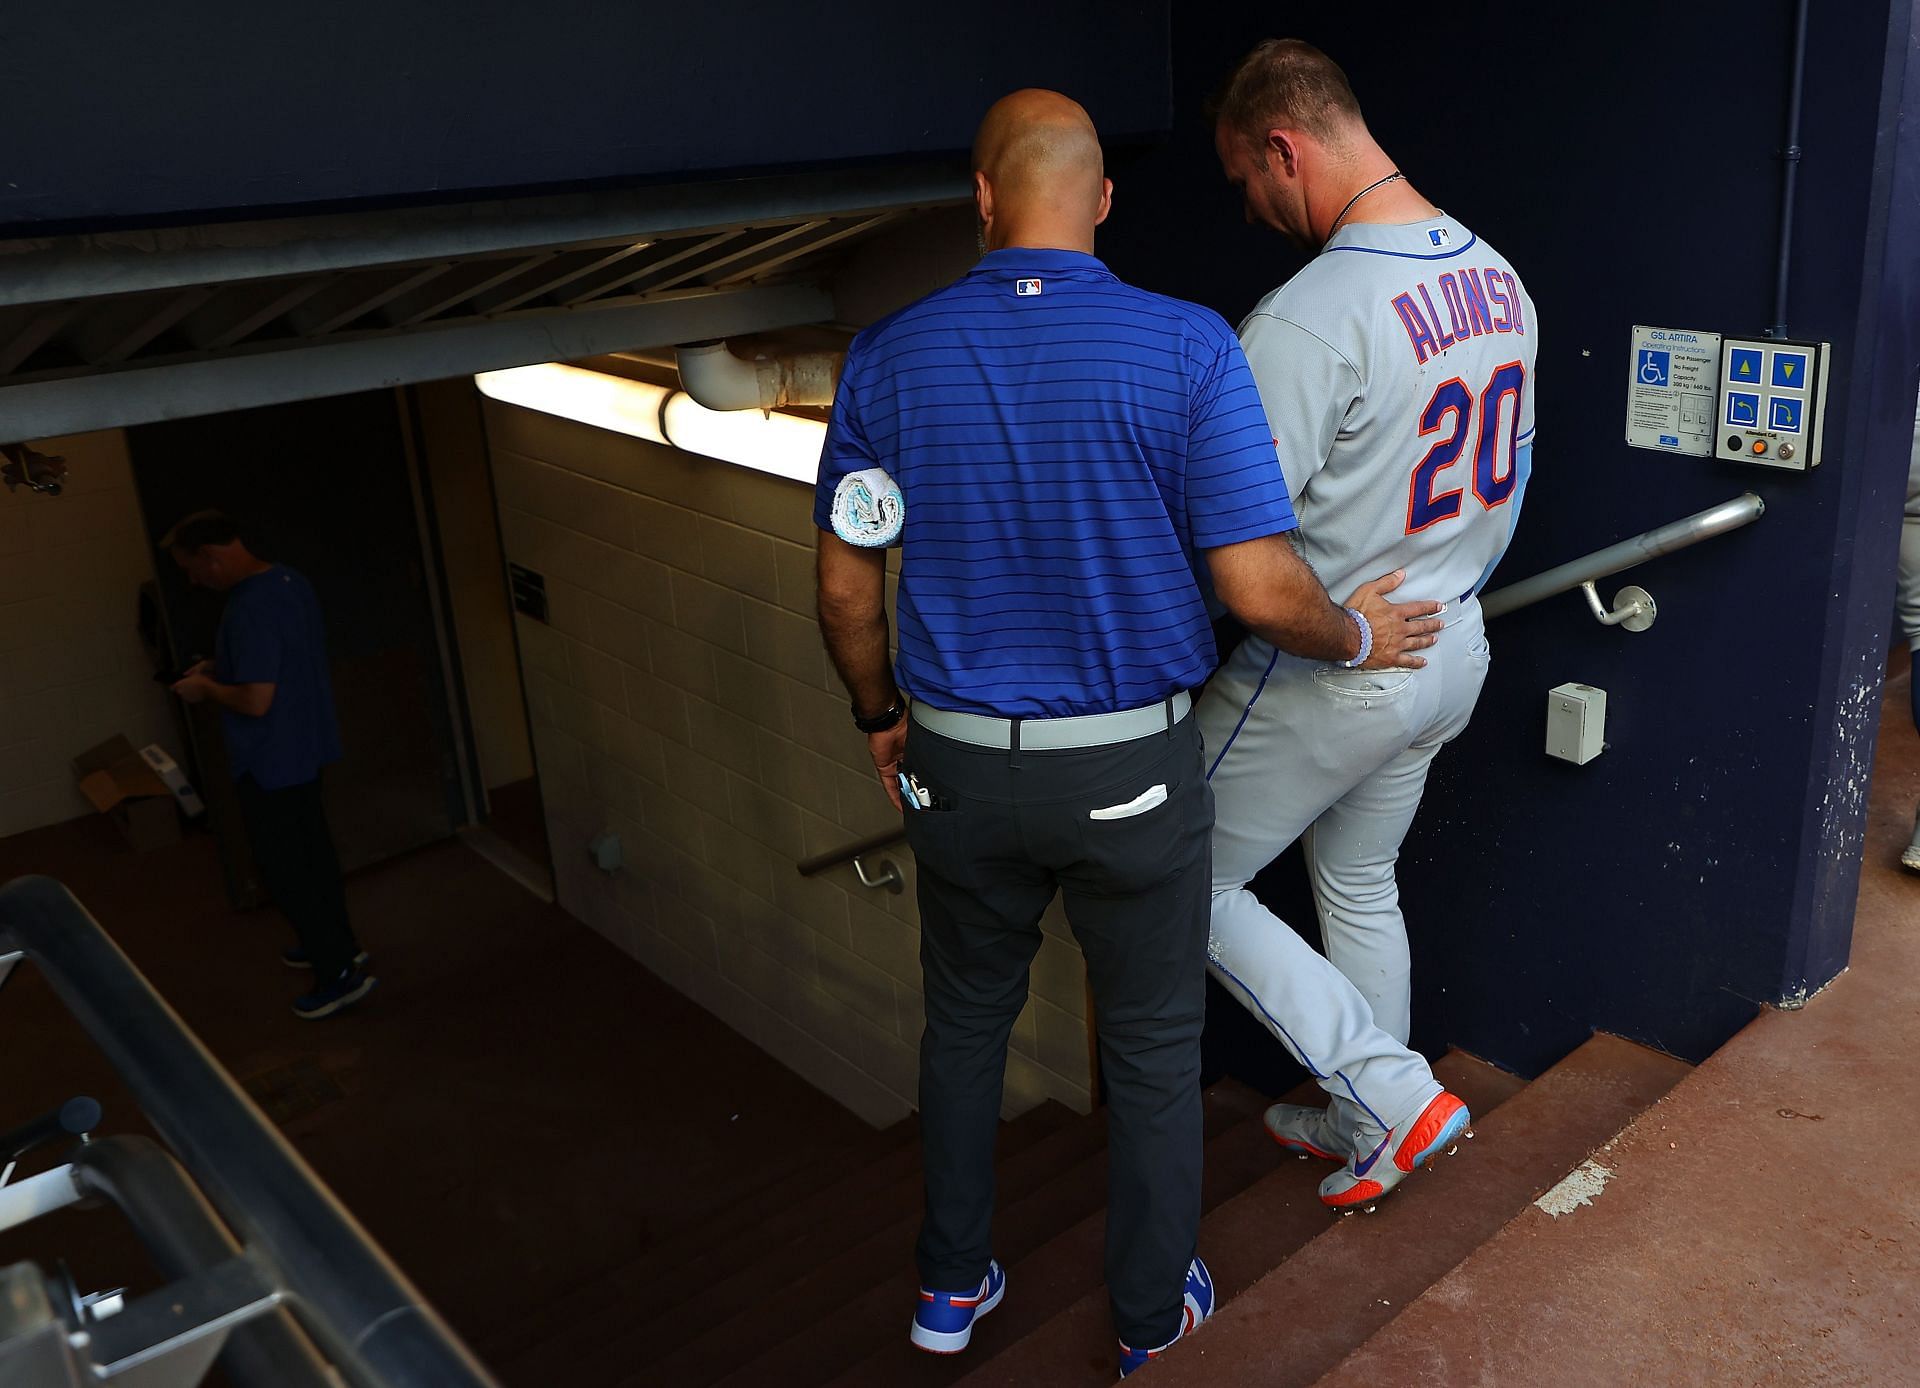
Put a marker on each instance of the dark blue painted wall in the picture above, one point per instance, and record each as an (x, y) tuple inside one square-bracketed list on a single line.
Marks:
[(1624, 157), (131, 111)]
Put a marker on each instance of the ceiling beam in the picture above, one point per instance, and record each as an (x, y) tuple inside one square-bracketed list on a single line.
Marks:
[(33, 334), (819, 243), (475, 277), (359, 304), (511, 298), (745, 252), (142, 394), (700, 247), (46, 270)]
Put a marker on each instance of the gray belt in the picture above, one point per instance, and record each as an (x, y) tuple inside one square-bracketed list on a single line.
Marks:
[(1054, 734)]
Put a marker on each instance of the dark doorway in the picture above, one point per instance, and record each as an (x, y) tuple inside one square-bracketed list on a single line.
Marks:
[(324, 486)]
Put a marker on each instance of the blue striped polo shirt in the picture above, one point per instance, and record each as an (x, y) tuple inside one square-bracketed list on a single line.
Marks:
[(1064, 443)]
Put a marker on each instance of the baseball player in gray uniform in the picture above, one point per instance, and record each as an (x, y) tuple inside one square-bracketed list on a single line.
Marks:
[(1909, 607), (1397, 373)]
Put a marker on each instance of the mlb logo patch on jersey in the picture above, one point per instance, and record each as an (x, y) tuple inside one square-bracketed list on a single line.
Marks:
[(1025, 287), (1439, 236)]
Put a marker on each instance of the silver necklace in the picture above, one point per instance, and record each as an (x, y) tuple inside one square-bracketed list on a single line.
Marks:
[(1377, 183)]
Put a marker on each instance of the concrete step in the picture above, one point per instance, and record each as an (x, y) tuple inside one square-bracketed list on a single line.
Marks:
[(1057, 1273), (1029, 1238), (727, 1312), (1241, 1239), (1731, 1234), (590, 1290), (850, 1190), (844, 1308), (1300, 1320)]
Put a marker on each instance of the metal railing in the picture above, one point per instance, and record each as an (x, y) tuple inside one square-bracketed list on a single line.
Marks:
[(1633, 608), (297, 1246), (889, 874), (1585, 571)]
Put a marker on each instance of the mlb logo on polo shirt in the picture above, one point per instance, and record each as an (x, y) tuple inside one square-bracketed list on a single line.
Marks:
[(1439, 236), (1024, 287)]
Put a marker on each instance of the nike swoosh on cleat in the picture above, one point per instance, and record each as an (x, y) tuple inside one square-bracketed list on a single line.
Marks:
[(1361, 1168)]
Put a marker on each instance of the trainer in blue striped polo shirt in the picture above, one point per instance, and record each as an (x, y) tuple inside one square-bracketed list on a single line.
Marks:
[(1064, 443)]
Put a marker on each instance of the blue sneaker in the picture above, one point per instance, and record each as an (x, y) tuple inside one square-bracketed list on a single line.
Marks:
[(343, 992), (1199, 1305), (944, 1321)]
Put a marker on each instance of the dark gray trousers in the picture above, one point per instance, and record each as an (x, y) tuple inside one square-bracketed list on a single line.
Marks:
[(1014, 827), (293, 851)]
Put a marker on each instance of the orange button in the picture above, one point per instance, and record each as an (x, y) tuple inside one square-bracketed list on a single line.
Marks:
[(1759, 445)]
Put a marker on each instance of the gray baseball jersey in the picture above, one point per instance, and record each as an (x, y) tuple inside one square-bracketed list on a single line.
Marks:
[(1397, 372)]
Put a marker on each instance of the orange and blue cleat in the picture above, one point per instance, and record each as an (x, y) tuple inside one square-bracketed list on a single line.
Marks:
[(1306, 1132), (1376, 1168)]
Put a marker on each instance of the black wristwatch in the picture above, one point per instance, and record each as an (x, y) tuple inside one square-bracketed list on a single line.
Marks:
[(888, 717)]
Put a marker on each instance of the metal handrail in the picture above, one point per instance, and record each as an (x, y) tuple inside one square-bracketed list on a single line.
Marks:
[(833, 858), (1690, 530), (360, 1309), (185, 1237), (1583, 572)]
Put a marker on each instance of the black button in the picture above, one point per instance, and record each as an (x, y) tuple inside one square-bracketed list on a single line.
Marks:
[(1733, 443)]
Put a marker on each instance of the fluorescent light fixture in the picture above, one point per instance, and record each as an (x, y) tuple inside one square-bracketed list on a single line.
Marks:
[(782, 444), (591, 397)]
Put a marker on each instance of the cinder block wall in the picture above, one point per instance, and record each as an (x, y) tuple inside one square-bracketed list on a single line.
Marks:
[(681, 698), (71, 669)]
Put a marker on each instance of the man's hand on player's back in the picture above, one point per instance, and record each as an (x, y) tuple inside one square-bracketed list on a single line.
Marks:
[(1399, 628), (1275, 595)]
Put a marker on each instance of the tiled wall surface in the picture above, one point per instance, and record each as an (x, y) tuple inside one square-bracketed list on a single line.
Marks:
[(681, 698), (71, 668)]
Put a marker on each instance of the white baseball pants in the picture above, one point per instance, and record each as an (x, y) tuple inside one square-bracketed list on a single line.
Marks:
[(1909, 589), (1340, 756)]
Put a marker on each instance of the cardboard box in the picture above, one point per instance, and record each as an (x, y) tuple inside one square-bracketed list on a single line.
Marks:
[(119, 783)]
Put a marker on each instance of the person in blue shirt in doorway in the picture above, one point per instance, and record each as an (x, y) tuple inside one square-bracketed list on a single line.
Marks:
[(1052, 449), (269, 676)]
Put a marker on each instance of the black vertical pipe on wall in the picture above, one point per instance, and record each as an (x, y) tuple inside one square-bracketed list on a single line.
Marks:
[(1790, 157)]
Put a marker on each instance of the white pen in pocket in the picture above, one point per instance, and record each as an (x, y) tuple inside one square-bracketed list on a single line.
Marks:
[(1140, 804)]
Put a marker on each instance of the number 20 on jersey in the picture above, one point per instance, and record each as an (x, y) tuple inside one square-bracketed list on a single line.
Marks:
[(1454, 413)]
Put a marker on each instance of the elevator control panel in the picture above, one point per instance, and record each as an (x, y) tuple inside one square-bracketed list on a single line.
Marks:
[(1773, 401)]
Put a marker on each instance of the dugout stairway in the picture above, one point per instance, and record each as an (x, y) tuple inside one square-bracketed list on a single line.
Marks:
[(808, 1281)]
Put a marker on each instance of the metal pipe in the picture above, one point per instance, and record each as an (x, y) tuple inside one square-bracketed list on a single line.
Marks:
[(1691, 530), (365, 1315), (833, 858), (184, 1236), (1790, 156), (716, 378)]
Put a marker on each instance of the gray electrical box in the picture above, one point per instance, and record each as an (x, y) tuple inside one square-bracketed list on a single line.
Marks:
[(1576, 723), (605, 850)]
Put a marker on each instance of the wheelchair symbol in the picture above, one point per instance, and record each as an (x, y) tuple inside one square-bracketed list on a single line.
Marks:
[(1654, 367)]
